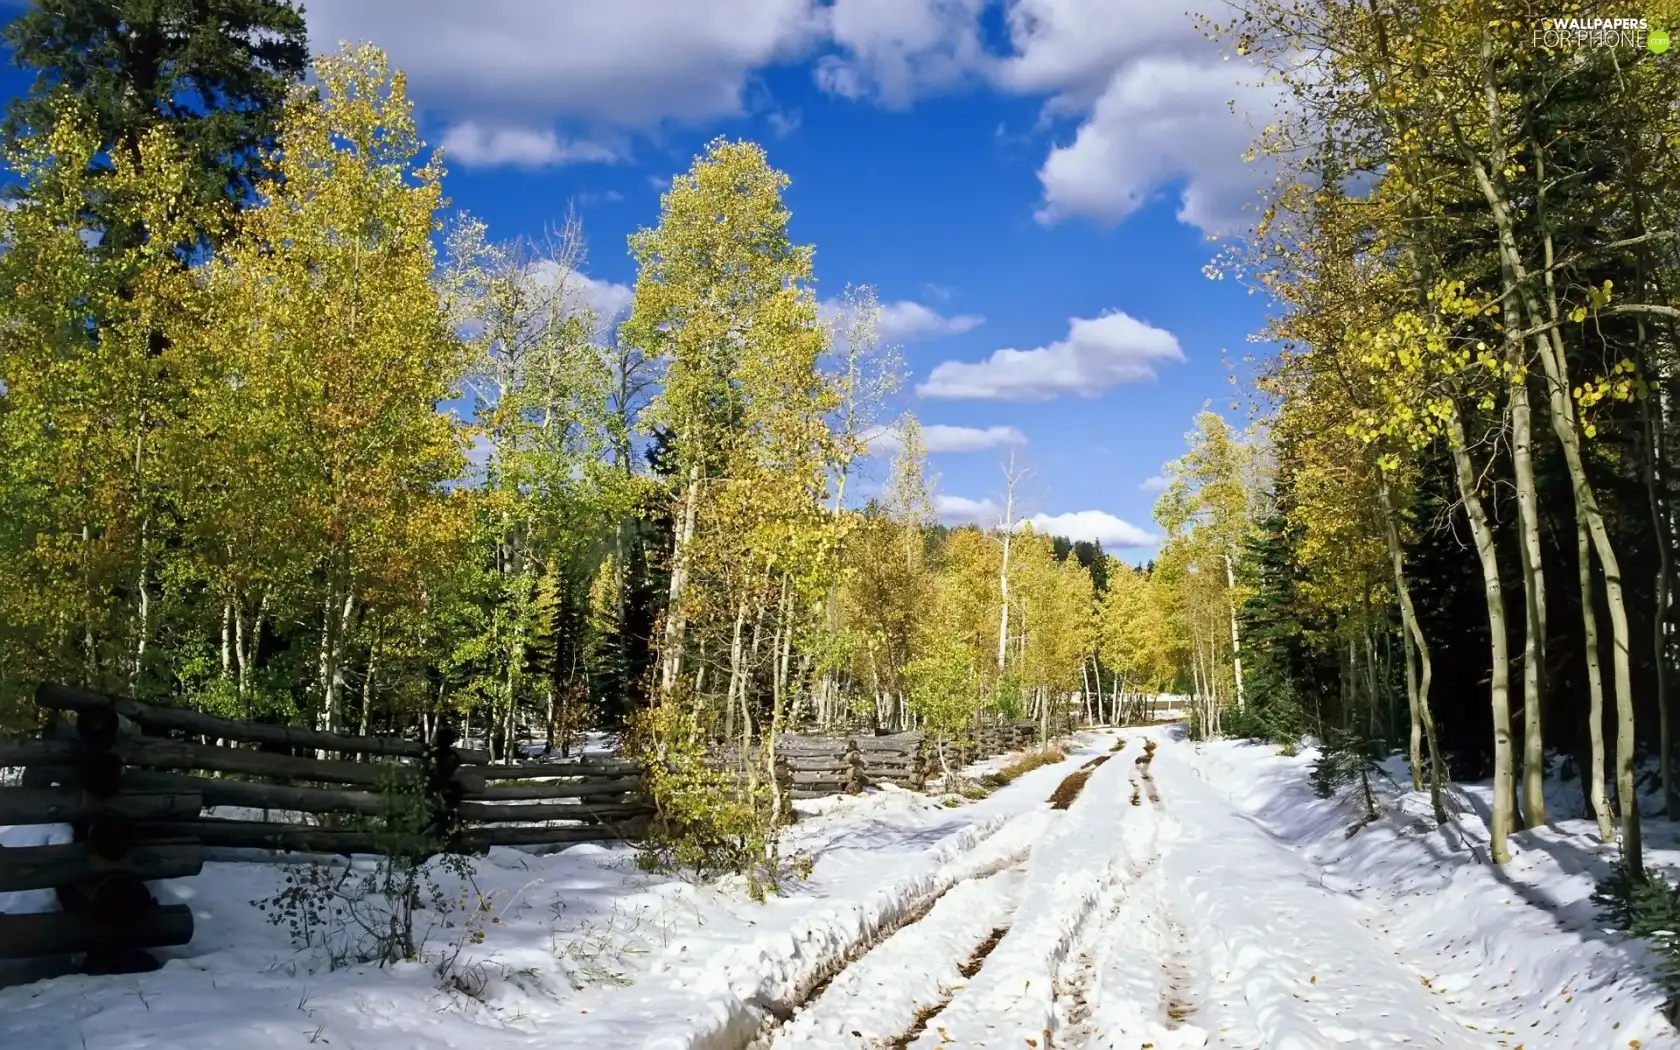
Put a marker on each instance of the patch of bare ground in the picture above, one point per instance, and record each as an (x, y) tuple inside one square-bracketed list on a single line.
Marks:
[(1119, 744), (1137, 793), (968, 969), (1069, 789), (1143, 761), (1095, 762)]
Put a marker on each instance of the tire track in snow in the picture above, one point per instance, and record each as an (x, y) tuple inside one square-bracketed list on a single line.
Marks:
[(888, 997), (900, 983), (1129, 986), (754, 988), (1072, 874), (1285, 965)]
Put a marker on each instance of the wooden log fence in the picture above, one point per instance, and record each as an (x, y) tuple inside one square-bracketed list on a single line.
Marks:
[(146, 790), (811, 766)]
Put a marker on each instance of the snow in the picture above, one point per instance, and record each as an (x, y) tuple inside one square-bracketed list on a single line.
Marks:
[(586, 950), (1227, 909), (915, 968), (1011, 999), (1402, 924)]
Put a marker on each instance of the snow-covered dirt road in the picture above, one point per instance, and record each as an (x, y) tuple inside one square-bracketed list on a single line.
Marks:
[(1156, 895), (1157, 913)]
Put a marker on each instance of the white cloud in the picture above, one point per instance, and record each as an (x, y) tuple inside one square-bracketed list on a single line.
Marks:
[(1098, 354), (1160, 120), (960, 510), (1154, 100), (1154, 484), (629, 62), (782, 124), (904, 321), (606, 197), (940, 438), (892, 51), (486, 147), (1093, 526), (609, 300), (1072, 48)]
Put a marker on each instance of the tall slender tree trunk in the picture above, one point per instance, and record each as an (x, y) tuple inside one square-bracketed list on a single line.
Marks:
[(1659, 642), (671, 647), (1414, 724), (1499, 688), (1003, 615), (227, 638), (143, 604), (1011, 477), (327, 666), (1236, 641), (368, 690), (1593, 776), (1422, 717), (735, 652), (1534, 581)]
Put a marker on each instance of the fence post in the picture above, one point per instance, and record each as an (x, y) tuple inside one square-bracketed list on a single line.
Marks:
[(117, 901), (781, 777), (443, 790)]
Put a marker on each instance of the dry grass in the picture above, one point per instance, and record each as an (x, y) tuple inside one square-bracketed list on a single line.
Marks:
[(1038, 757), (1069, 789)]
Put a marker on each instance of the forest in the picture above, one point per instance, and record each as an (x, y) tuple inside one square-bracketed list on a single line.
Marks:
[(284, 437), (1464, 545)]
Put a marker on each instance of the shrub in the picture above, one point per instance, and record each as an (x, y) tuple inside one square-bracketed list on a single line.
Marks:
[(1645, 905), (1346, 756), (385, 913), (707, 821)]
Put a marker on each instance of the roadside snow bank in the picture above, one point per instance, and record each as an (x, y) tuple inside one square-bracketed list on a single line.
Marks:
[(1404, 915)]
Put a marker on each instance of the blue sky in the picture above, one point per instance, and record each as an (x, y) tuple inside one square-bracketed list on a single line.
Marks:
[(1029, 185)]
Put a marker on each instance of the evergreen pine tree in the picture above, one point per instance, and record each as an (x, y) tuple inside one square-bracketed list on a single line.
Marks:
[(216, 72)]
